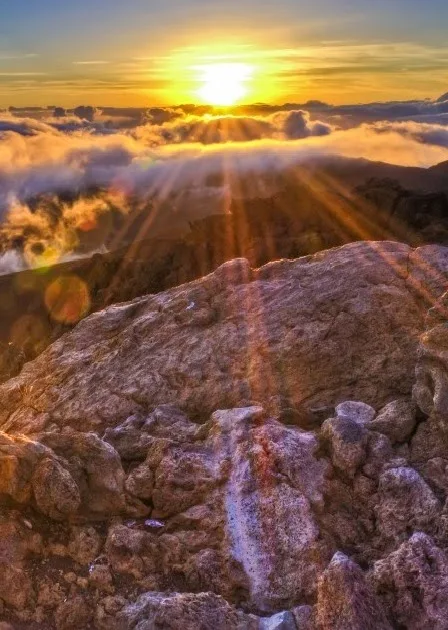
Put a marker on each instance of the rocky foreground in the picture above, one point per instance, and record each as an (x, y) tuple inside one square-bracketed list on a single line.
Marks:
[(259, 449)]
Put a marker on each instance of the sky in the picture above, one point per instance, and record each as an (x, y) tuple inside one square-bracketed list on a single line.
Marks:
[(143, 53)]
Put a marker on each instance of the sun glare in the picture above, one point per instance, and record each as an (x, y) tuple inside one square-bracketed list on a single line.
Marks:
[(224, 83)]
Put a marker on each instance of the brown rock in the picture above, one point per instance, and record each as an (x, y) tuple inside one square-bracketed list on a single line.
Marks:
[(272, 326), (413, 581), (55, 491), (345, 601), (74, 614)]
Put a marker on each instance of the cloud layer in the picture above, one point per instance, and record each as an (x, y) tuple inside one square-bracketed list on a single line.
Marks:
[(70, 180)]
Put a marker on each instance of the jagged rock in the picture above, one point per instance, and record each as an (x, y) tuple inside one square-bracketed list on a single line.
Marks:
[(357, 411), (55, 491), (345, 601), (153, 494), (273, 333), (428, 442), (136, 435), (272, 533), (413, 581), (347, 440), (95, 466), (183, 478), (18, 458), (405, 502), (379, 453), (397, 420), (431, 387), (140, 482), (182, 612)]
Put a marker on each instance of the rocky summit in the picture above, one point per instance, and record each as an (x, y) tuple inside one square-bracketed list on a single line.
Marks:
[(260, 449)]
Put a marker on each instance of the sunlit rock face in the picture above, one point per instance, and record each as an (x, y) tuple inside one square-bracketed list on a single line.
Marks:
[(240, 452), (341, 325)]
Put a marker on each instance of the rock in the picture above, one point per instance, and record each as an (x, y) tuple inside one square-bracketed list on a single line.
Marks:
[(397, 420), (272, 534), (140, 482), (429, 441), (304, 617), (73, 614), (281, 621), (379, 453), (413, 581), (55, 491), (357, 411), (338, 334), (133, 438), (164, 464), (17, 545), (84, 544), (405, 502), (12, 360), (345, 600), (181, 612), (100, 577), (130, 551), (18, 458), (183, 478), (97, 468), (431, 387), (347, 441)]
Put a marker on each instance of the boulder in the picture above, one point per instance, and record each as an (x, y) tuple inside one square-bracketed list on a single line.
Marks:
[(405, 502), (357, 411), (345, 600), (318, 330), (347, 442), (181, 612), (397, 420), (55, 491), (413, 582)]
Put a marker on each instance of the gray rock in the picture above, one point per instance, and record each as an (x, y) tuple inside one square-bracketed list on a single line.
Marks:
[(357, 411), (404, 501), (347, 440), (397, 420), (281, 621)]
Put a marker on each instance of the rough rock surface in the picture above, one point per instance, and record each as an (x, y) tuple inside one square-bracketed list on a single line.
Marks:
[(340, 325), (242, 452)]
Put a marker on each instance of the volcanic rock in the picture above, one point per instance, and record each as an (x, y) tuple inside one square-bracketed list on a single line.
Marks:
[(211, 457)]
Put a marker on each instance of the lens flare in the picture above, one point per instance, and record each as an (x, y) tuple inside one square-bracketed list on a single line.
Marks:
[(67, 299)]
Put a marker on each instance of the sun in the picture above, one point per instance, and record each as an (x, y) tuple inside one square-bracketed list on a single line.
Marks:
[(224, 84)]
